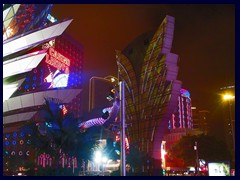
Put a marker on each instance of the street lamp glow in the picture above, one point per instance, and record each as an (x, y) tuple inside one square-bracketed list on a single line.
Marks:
[(98, 156), (228, 97), (113, 79), (104, 159)]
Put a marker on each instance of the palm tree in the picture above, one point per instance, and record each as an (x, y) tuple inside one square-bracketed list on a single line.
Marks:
[(55, 132)]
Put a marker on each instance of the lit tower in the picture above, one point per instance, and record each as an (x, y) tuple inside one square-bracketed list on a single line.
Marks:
[(150, 70), (182, 118)]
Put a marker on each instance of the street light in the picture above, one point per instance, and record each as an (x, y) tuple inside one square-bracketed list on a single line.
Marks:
[(229, 98), (108, 80), (100, 159), (114, 81), (197, 160), (111, 78)]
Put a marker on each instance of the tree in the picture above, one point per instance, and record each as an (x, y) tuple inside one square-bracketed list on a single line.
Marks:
[(112, 149), (136, 159), (209, 149), (56, 132)]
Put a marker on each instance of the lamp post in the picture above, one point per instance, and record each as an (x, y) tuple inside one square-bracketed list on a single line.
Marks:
[(197, 160), (121, 84), (122, 127), (229, 98), (108, 79)]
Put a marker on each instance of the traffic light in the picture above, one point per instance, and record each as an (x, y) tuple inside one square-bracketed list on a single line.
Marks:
[(163, 172), (111, 94), (100, 95), (204, 168)]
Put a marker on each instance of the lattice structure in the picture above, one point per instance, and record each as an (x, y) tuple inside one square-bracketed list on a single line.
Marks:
[(150, 71)]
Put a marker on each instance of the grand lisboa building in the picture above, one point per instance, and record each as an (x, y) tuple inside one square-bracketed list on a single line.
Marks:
[(150, 71)]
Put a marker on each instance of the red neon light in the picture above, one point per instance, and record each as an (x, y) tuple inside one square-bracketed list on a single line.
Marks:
[(64, 110), (59, 56), (57, 60), (126, 141)]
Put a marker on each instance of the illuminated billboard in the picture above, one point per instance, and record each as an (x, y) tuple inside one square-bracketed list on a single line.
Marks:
[(219, 169), (58, 78), (60, 68)]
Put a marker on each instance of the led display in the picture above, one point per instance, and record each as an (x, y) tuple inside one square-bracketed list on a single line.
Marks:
[(219, 169), (60, 68), (60, 77)]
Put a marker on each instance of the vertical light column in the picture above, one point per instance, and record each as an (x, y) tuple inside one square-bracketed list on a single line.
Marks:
[(122, 127), (229, 98)]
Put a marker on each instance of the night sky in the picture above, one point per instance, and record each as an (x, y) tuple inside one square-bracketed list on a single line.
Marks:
[(204, 39)]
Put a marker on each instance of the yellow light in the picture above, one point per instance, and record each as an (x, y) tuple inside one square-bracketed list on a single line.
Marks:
[(113, 79), (228, 97), (113, 90)]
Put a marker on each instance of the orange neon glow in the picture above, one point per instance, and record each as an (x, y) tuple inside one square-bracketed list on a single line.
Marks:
[(57, 60), (59, 56)]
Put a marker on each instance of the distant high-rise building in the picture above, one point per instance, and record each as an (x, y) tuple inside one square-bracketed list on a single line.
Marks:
[(179, 125), (182, 117), (200, 120)]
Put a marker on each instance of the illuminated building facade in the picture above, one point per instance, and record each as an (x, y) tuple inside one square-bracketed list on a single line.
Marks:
[(60, 68), (182, 117), (186, 120), (39, 61), (150, 71)]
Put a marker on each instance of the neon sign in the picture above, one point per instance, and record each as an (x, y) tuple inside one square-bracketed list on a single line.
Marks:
[(57, 60), (57, 79)]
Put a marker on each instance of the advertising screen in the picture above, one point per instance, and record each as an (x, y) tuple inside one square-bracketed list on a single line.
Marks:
[(219, 169), (58, 78)]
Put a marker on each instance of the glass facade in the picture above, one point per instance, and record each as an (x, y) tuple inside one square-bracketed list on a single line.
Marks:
[(20, 18), (40, 61), (150, 71)]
